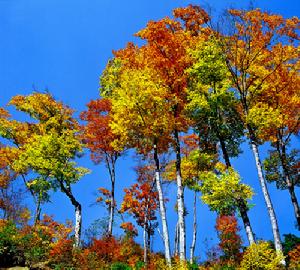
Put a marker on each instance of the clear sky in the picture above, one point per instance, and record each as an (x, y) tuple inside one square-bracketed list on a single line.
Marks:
[(64, 45)]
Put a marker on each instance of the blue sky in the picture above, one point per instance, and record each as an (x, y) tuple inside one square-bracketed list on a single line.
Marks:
[(64, 45)]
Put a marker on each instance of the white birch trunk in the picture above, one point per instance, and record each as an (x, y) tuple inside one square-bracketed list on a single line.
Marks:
[(162, 208), (180, 202), (192, 248), (267, 198), (176, 240), (78, 221), (145, 243)]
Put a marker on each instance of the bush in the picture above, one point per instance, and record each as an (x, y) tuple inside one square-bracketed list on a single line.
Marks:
[(120, 266), (294, 256), (261, 256), (10, 254)]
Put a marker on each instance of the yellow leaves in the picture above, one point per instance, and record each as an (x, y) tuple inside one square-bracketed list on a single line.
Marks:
[(222, 190), (261, 256), (265, 118), (141, 107)]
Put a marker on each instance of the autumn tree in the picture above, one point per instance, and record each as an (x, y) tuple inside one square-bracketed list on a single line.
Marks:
[(141, 200), (167, 42), (287, 178), (257, 45), (214, 108), (98, 137), (275, 115), (230, 241), (52, 147), (18, 134), (12, 207), (196, 158), (141, 114)]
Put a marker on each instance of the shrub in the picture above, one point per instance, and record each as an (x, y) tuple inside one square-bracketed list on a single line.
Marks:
[(261, 256), (294, 256)]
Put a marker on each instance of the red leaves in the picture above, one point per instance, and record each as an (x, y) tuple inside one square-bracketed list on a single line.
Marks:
[(230, 241), (140, 199)]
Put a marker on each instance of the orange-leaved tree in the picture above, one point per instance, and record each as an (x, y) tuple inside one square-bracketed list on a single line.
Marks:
[(257, 45), (98, 138), (141, 200)]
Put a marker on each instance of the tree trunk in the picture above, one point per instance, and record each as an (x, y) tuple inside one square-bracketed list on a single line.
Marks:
[(289, 183), (78, 222), (112, 173), (247, 225), (176, 240), (162, 207), (78, 217), (294, 202), (271, 212), (180, 200), (242, 205), (145, 243), (37, 214), (192, 248), (148, 245)]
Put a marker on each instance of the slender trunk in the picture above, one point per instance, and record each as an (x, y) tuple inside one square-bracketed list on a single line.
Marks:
[(180, 200), (35, 198), (271, 212), (78, 222), (192, 248), (283, 159), (243, 208), (162, 207), (294, 202), (242, 204), (176, 240), (37, 214), (112, 202), (145, 243), (78, 217), (148, 246)]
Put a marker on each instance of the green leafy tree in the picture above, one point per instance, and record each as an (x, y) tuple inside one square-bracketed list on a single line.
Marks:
[(52, 147)]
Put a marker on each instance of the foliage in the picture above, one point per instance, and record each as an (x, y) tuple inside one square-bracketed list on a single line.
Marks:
[(222, 189), (141, 200), (274, 170), (294, 258), (290, 241), (230, 241), (261, 256)]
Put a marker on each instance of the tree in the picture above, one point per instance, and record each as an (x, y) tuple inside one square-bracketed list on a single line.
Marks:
[(276, 118), (99, 137), (195, 160), (221, 189), (287, 178), (52, 147), (257, 45), (141, 114), (12, 207), (230, 241), (214, 109), (141, 200), (167, 42), (18, 134)]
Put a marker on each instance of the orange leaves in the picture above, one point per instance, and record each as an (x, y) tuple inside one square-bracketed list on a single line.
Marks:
[(193, 16), (129, 229), (141, 200), (294, 256), (230, 241), (105, 196), (98, 135)]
